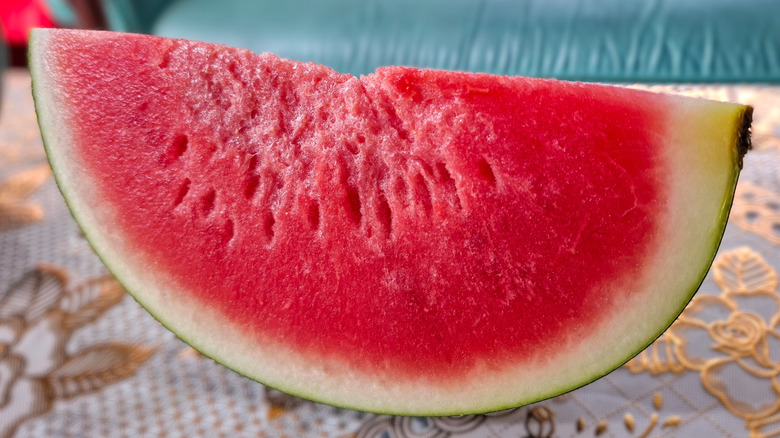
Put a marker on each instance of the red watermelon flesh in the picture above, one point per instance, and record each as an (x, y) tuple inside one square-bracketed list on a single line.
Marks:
[(416, 226)]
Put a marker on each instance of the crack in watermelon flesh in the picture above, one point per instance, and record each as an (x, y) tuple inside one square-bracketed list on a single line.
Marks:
[(410, 224)]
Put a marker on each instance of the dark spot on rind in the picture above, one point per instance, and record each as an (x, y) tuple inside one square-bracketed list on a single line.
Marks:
[(743, 135)]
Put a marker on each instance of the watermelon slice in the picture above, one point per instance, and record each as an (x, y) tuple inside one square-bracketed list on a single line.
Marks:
[(410, 241)]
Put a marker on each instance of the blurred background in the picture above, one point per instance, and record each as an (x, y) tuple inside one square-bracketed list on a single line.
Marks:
[(603, 40)]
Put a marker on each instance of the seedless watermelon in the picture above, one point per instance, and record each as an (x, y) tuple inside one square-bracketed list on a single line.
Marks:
[(411, 241)]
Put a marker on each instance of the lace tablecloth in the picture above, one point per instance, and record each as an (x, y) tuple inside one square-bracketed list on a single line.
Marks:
[(80, 358)]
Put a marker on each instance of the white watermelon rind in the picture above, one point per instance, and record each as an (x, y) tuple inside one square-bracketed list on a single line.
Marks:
[(705, 151)]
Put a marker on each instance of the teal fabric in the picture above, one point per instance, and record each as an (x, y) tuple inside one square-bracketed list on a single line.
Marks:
[(135, 15), (598, 40), (63, 12)]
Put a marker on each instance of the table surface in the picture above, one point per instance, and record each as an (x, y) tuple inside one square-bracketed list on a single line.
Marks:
[(80, 358)]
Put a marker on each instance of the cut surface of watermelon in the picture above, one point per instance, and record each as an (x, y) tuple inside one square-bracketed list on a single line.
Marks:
[(410, 241)]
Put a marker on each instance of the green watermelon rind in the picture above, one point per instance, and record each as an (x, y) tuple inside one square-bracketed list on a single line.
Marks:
[(53, 133)]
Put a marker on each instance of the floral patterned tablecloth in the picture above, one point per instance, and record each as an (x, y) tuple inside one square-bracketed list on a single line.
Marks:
[(80, 358)]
